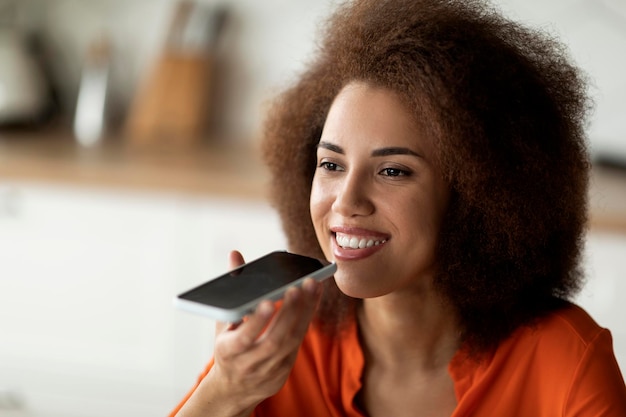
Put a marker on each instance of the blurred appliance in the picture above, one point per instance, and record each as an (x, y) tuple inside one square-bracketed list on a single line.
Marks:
[(23, 90), (91, 112)]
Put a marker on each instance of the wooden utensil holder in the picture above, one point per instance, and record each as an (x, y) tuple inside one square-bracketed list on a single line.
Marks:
[(172, 107)]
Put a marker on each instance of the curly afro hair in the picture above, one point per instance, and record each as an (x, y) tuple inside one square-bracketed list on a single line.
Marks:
[(506, 110)]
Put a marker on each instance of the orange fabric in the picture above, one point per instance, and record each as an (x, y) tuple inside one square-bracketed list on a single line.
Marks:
[(564, 366)]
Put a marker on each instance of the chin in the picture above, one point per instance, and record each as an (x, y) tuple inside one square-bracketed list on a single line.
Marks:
[(353, 287)]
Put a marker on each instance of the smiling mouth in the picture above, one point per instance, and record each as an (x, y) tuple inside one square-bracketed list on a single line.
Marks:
[(347, 241)]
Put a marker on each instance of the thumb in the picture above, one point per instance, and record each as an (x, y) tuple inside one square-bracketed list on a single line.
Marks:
[(235, 259)]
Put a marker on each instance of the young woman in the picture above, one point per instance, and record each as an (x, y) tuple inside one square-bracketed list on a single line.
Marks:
[(435, 150)]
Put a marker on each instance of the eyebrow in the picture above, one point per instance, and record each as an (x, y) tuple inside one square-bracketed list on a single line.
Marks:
[(392, 150)]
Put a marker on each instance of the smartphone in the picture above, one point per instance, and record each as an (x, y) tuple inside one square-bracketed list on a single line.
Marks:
[(233, 295)]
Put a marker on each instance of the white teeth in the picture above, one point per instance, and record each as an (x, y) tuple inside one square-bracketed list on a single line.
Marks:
[(353, 242)]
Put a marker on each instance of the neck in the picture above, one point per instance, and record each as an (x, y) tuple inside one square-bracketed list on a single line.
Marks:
[(397, 330)]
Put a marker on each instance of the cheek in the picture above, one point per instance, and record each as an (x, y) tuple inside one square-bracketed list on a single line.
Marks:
[(417, 221), (318, 202), (319, 206)]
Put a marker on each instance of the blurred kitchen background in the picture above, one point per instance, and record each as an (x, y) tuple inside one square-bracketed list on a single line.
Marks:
[(129, 169)]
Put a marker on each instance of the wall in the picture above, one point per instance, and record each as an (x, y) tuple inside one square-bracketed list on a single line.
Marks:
[(262, 46), (595, 32), (265, 43)]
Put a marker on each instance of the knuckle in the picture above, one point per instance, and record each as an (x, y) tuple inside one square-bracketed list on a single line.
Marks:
[(272, 345), (244, 341)]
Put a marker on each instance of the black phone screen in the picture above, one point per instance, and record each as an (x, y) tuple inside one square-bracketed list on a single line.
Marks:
[(253, 280)]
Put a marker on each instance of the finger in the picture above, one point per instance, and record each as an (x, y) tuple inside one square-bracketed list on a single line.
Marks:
[(246, 334), (311, 294), (312, 289), (235, 260), (222, 326), (291, 321)]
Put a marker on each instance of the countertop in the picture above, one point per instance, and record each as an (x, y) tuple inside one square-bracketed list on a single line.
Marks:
[(225, 169), (221, 169)]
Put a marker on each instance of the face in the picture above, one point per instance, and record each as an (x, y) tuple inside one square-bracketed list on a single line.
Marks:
[(377, 198)]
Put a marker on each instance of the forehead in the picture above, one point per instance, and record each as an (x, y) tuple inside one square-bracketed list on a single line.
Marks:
[(362, 113)]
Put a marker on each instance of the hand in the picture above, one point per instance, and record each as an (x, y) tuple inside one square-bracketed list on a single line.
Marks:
[(253, 359)]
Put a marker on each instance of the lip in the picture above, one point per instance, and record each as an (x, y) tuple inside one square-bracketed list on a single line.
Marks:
[(345, 254)]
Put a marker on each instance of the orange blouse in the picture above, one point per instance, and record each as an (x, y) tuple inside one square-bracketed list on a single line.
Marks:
[(563, 366)]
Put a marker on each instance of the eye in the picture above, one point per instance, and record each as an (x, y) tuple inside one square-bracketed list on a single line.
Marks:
[(329, 166), (395, 172)]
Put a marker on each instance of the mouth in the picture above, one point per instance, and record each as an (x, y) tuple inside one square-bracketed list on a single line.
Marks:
[(348, 241), (353, 243)]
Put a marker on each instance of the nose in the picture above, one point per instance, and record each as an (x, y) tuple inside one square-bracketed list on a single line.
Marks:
[(352, 197)]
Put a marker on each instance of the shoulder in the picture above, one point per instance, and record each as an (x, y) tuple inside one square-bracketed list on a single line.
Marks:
[(570, 325), (561, 365), (596, 382), (570, 356), (560, 340)]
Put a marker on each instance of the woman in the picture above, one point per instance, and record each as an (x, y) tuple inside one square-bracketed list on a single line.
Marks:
[(436, 152)]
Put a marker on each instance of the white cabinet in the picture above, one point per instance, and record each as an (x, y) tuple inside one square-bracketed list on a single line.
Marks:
[(87, 327), (86, 282)]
